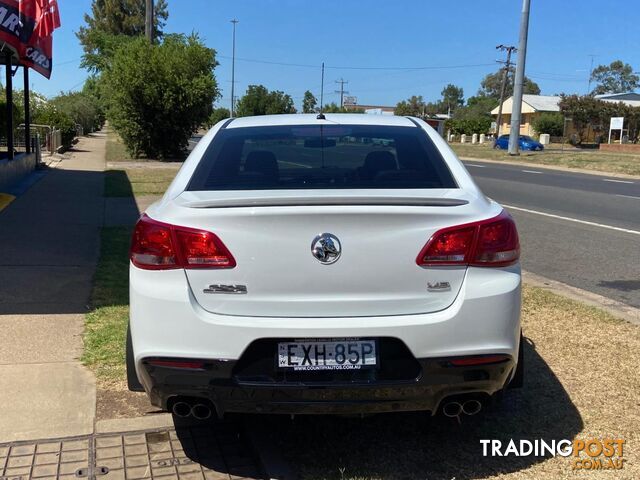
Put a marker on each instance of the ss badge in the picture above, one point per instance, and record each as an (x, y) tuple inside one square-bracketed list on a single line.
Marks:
[(438, 286)]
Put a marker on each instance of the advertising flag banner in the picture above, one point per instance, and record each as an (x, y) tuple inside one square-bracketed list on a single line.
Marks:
[(27, 27)]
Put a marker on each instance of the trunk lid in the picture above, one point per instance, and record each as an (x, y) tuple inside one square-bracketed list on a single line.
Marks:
[(380, 235)]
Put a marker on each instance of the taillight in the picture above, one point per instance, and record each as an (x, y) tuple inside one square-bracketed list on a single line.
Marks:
[(488, 243), (161, 246)]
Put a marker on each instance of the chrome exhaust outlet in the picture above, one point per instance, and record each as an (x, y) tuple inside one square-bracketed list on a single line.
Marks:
[(200, 411), (452, 409), (471, 407), (181, 409)]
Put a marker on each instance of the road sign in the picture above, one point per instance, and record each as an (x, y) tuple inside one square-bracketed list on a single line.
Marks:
[(617, 123), (350, 100)]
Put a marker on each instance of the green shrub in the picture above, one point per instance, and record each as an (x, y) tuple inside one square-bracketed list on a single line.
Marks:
[(49, 114), (158, 95), (551, 123), (469, 126)]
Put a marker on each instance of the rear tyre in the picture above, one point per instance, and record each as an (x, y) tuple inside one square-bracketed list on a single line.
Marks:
[(132, 378), (518, 378)]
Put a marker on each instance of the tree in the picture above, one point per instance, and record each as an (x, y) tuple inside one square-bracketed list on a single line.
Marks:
[(260, 101), (474, 117), (617, 77), (492, 83), (452, 97), (309, 102), (549, 122), (160, 94), (110, 24), (82, 108), (413, 106), (217, 115), (588, 114)]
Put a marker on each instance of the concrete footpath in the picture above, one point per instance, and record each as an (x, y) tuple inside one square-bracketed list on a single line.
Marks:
[(49, 247)]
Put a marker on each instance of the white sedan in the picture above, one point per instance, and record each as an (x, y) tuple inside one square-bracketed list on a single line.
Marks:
[(338, 263)]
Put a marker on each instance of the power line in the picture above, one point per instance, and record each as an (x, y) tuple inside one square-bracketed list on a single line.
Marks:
[(431, 67), (307, 65), (66, 62)]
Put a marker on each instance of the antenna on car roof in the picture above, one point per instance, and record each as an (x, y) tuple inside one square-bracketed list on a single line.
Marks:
[(321, 115)]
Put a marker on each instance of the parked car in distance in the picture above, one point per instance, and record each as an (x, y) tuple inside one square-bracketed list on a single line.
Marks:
[(525, 142), (336, 263)]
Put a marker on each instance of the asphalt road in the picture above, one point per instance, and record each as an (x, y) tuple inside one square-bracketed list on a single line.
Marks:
[(580, 229)]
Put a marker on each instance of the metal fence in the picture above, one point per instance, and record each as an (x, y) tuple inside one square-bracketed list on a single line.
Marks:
[(47, 139)]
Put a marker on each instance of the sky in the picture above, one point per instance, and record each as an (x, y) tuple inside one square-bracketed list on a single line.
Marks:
[(385, 50)]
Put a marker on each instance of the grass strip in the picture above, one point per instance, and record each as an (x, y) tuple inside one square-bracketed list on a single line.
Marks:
[(106, 324)]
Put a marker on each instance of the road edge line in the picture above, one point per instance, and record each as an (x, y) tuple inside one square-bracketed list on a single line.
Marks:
[(617, 309), (574, 220), (5, 200), (598, 173)]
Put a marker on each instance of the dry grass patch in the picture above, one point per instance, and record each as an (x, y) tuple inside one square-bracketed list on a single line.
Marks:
[(137, 181), (572, 158), (581, 382)]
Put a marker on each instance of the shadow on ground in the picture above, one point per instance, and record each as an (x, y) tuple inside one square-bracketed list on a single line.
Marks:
[(622, 285), (414, 445)]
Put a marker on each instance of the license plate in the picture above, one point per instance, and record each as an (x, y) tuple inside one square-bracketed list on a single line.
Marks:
[(338, 354)]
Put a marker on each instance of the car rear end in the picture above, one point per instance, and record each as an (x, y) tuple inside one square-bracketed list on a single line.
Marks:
[(346, 265)]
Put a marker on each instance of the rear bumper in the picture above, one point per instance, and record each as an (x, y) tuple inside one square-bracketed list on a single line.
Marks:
[(216, 384), (167, 322)]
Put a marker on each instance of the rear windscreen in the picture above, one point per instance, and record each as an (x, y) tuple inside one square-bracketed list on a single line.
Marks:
[(321, 157)]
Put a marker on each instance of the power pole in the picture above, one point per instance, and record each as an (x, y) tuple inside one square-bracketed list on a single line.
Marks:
[(590, 73), (516, 109), (148, 21), (505, 76), (233, 69), (342, 91)]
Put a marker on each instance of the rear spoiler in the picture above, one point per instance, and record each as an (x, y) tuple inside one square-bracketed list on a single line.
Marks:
[(323, 201)]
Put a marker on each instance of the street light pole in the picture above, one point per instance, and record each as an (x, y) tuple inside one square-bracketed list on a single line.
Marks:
[(233, 68), (516, 109)]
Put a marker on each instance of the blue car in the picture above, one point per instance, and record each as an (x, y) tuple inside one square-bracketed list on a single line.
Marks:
[(525, 141)]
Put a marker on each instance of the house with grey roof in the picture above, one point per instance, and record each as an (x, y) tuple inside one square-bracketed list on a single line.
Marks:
[(532, 107)]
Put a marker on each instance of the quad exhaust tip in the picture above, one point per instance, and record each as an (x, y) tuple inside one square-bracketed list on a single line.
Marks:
[(200, 411), (468, 407), (186, 408), (181, 409)]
